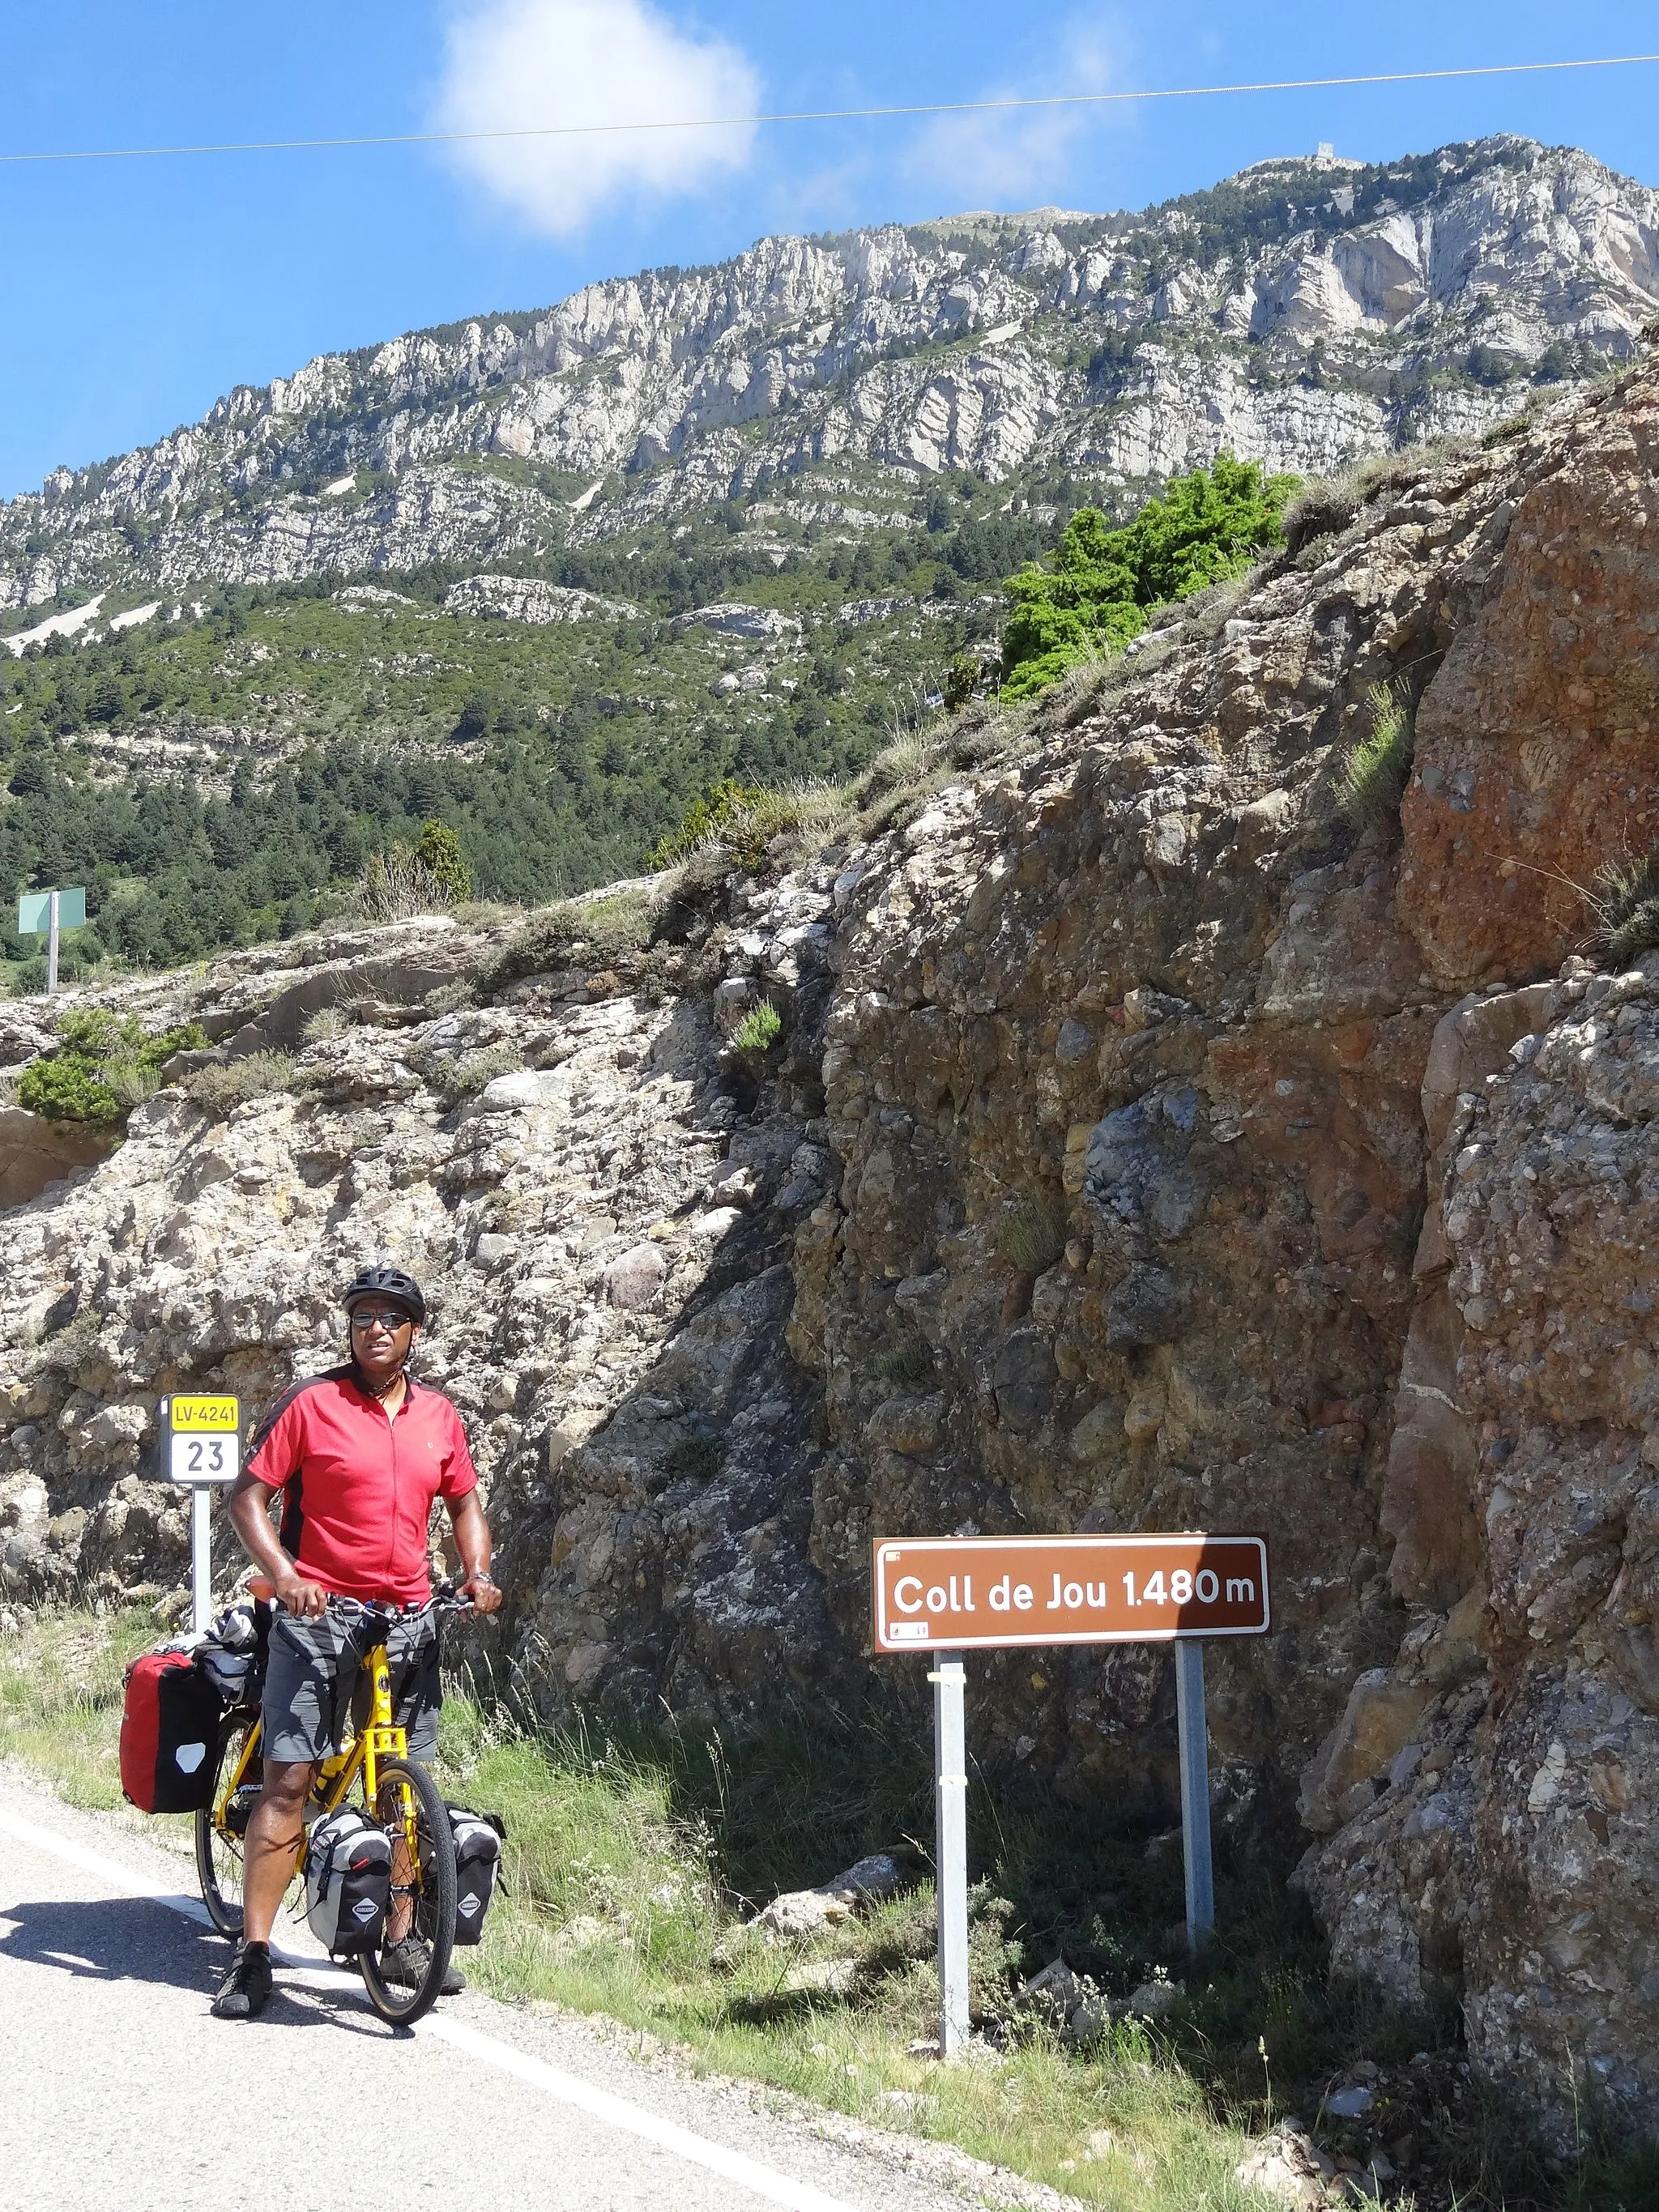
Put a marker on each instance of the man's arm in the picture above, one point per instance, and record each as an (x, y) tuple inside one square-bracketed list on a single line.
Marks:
[(250, 1516), (472, 1543)]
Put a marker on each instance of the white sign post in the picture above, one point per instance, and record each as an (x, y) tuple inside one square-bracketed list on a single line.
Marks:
[(202, 1451), (951, 1853)]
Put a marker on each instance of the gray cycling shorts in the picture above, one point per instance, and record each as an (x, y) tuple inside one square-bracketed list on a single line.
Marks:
[(312, 1680)]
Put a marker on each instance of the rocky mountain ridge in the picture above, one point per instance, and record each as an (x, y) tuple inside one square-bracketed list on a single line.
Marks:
[(1147, 1143), (1304, 313)]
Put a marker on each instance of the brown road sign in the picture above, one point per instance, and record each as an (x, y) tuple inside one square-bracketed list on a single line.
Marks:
[(933, 1592)]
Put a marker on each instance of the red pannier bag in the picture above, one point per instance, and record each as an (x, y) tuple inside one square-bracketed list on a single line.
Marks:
[(169, 1734)]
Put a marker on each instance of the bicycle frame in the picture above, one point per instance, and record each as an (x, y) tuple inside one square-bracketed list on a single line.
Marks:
[(379, 1738)]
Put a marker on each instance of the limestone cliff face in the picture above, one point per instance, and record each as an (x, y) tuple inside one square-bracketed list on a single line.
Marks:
[(1145, 1149), (1304, 314)]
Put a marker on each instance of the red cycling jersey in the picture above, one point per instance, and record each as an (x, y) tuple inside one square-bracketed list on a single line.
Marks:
[(358, 1489)]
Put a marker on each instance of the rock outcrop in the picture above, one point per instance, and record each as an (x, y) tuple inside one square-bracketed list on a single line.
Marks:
[(1306, 313), (1143, 1146)]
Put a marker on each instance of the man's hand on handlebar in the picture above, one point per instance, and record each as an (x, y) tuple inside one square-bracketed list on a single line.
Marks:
[(485, 1594), (296, 1596)]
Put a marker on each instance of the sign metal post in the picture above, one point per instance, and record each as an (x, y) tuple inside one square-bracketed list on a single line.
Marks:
[(202, 1451), (951, 1853), (51, 947), (942, 1594), (1195, 1744)]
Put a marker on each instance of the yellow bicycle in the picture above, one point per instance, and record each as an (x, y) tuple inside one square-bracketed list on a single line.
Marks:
[(397, 1794)]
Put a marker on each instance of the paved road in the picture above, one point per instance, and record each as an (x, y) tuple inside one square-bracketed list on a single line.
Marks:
[(120, 2093)]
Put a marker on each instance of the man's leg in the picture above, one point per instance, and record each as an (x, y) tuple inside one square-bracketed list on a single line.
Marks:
[(296, 1720), (276, 1833), (417, 1693)]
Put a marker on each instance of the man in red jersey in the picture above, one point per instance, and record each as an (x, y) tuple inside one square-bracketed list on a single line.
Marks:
[(357, 1455)]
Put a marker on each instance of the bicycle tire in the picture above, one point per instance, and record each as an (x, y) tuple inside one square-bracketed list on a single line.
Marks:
[(219, 1857), (432, 1924)]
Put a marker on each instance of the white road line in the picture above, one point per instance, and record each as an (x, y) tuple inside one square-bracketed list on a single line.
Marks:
[(119, 1877), (618, 2113), (569, 2088)]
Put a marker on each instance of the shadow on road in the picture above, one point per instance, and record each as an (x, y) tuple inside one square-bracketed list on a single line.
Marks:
[(138, 1940)]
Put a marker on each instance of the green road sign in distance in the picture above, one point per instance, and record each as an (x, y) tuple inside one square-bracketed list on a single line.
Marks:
[(35, 911)]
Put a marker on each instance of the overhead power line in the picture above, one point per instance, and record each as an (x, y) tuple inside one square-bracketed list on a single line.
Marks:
[(829, 114)]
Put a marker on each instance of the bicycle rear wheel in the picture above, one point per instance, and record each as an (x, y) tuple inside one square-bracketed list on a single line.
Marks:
[(221, 1828), (408, 1806)]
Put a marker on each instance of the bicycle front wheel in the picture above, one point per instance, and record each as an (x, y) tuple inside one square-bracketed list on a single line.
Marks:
[(403, 1977), (222, 1825)]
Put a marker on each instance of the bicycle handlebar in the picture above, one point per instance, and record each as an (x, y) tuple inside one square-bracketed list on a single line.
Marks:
[(447, 1597)]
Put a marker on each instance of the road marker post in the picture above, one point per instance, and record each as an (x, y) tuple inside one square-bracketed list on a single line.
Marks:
[(201, 1451), (949, 1593), (950, 1852)]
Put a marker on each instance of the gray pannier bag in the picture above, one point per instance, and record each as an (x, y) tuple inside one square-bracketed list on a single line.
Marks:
[(477, 1862), (348, 1883)]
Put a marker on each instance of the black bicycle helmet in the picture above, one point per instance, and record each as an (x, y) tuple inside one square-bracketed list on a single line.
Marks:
[(383, 1282)]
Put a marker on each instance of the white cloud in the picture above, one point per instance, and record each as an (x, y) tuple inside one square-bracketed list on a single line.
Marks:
[(521, 65), (1017, 157)]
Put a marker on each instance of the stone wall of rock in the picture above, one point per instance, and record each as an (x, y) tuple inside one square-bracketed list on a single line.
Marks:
[(1146, 1147)]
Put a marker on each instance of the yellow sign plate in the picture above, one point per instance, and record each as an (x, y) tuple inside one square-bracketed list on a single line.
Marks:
[(206, 1417)]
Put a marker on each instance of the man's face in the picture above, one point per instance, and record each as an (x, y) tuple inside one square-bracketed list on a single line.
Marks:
[(381, 1336)]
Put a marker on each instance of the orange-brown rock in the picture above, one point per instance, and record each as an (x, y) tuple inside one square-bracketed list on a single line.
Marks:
[(1537, 758)]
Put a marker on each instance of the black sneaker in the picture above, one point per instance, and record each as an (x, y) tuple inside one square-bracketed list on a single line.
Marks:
[(404, 1965), (245, 1990)]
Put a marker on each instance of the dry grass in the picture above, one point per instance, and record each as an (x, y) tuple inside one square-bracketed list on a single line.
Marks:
[(221, 1087)]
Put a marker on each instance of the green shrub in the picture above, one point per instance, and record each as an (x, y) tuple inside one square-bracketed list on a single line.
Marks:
[(1208, 526), (227, 1083), (760, 1030), (428, 876), (438, 850), (962, 680), (101, 1068), (1372, 779)]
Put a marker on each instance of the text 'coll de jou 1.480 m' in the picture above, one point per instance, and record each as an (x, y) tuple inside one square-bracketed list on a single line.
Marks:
[(938, 1592)]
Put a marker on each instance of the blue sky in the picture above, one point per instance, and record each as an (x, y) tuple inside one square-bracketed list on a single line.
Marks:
[(132, 293)]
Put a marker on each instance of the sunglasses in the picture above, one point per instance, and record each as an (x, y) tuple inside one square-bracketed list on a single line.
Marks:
[(364, 1318)]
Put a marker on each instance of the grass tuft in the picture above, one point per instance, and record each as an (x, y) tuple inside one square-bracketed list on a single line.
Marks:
[(451, 1080), (1624, 899), (1034, 1236), (1372, 779)]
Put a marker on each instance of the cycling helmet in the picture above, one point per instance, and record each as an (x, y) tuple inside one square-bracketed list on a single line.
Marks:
[(383, 1282)]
